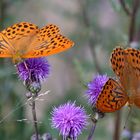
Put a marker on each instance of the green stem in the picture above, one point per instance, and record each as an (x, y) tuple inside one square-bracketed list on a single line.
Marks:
[(136, 4), (91, 43), (91, 131), (34, 117), (117, 125)]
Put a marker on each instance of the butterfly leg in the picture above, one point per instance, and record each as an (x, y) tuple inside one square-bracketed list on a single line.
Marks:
[(129, 113), (25, 65)]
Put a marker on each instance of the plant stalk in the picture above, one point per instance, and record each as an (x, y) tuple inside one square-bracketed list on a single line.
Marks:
[(92, 131), (34, 117)]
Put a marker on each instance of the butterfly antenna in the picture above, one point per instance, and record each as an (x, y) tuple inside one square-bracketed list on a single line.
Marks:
[(129, 112)]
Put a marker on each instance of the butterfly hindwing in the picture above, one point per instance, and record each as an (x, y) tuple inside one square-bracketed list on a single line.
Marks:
[(112, 97), (133, 85)]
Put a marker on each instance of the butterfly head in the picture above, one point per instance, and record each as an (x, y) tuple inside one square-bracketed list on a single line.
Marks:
[(17, 58)]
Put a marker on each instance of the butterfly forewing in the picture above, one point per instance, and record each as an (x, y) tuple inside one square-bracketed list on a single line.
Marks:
[(20, 35), (117, 61), (112, 97), (5, 46), (133, 57), (57, 44), (44, 36)]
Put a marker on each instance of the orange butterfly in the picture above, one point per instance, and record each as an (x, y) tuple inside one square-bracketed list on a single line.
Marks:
[(114, 95), (26, 40)]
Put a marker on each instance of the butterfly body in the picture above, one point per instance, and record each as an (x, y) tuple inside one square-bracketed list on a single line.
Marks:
[(26, 40), (115, 94)]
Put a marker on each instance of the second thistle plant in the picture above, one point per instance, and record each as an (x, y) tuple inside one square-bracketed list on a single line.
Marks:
[(69, 119)]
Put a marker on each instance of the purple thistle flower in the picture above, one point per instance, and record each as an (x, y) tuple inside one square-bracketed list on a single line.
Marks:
[(95, 87), (38, 67), (32, 71), (69, 119)]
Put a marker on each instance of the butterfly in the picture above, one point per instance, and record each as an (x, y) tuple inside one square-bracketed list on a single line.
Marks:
[(26, 40), (115, 94)]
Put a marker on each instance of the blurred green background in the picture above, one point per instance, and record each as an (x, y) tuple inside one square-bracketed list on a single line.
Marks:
[(96, 27)]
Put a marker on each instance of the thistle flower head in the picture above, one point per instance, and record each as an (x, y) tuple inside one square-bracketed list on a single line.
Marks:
[(35, 67), (95, 87), (69, 119), (32, 71)]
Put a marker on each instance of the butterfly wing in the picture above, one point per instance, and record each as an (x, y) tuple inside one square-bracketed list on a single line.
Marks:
[(133, 75), (133, 58), (126, 65), (47, 42), (56, 45), (25, 40), (20, 35), (5, 46), (117, 61), (44, 36), (112, 97)]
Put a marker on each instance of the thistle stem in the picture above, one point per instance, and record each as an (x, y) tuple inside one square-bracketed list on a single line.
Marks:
[(133, 17), (91, 43), (117, 125), (125, 8), (34, 117), (92, 131)]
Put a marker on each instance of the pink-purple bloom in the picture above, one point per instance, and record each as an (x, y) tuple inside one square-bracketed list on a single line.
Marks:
[(32, 71), (36, 67), (69, 119), (95, 87)]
